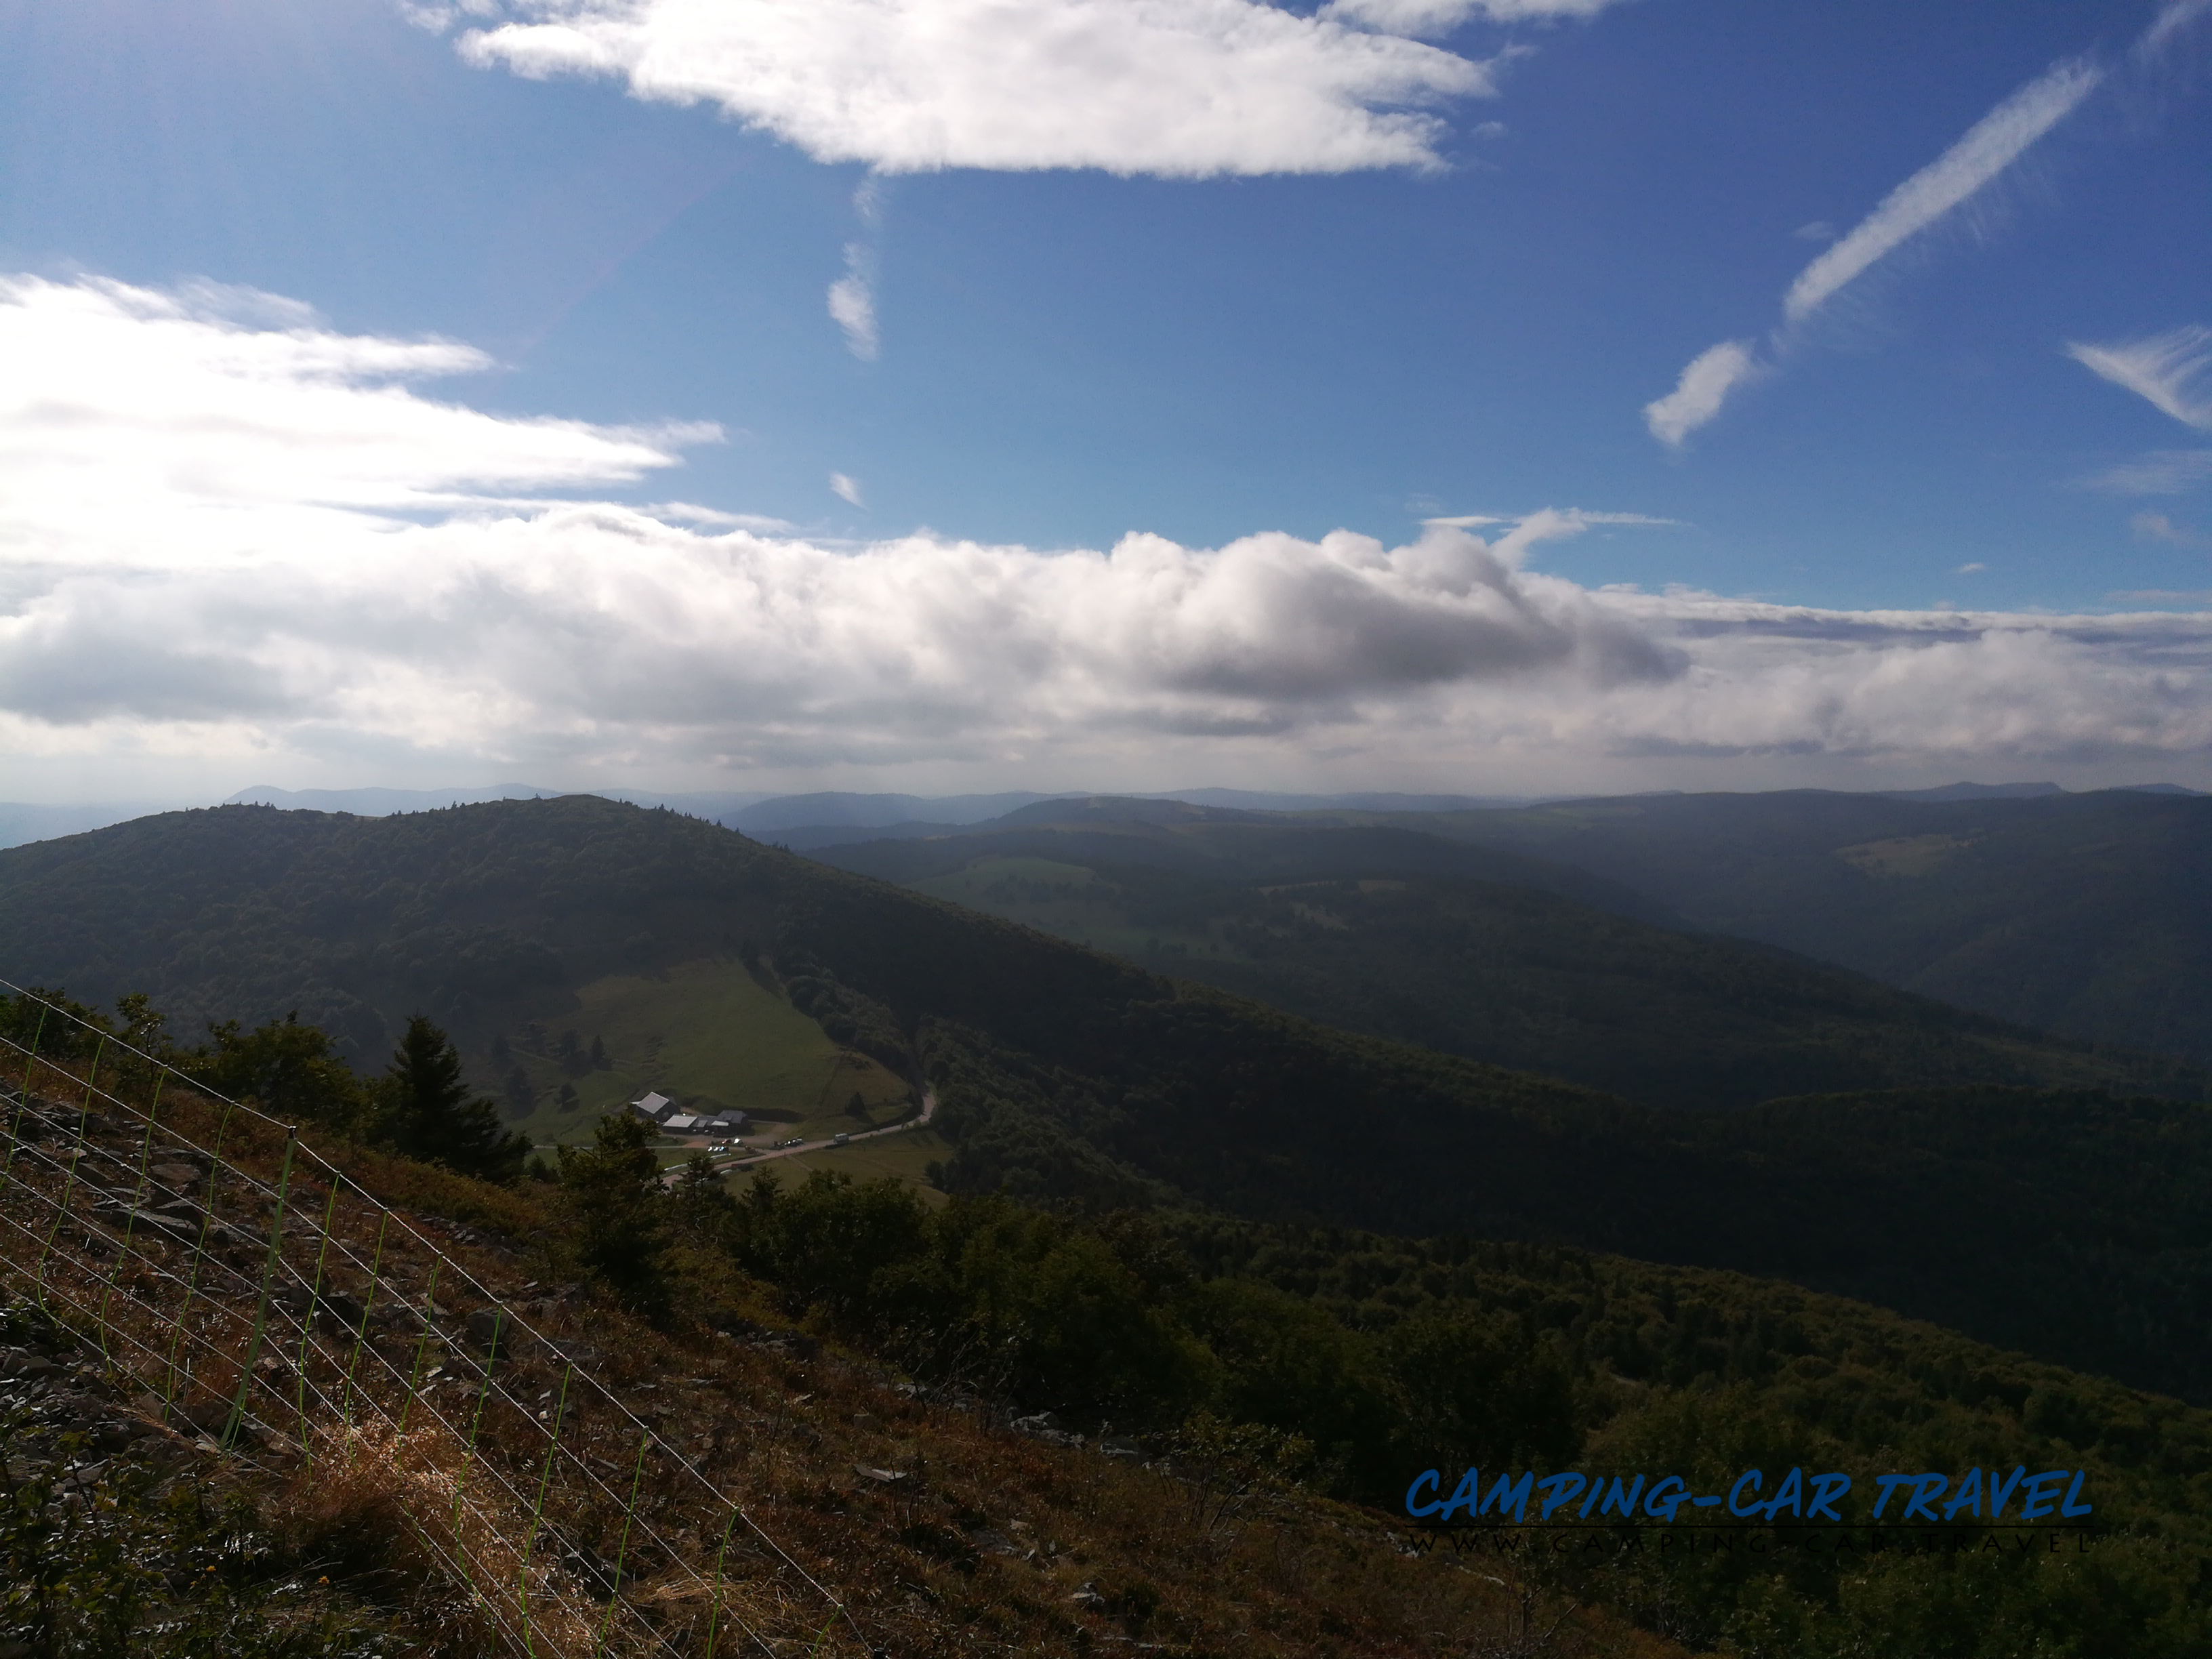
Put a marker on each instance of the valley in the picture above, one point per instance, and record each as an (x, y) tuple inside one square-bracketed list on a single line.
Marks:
[(1383, 1144), (1531, 966)]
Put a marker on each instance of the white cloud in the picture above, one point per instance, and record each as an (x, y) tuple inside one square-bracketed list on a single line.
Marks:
[(2158, 527), (1182, 88), (691, 512), (1974, 567), (1991, 145), (2163, 370), (868, 200), (1819, 231), (2161, 472), (1702, 388), (853, 303), (846, 489), (1548, 524), (1429, 18), (262, 548), (1942, 687), (2173, 16), (169, 421)]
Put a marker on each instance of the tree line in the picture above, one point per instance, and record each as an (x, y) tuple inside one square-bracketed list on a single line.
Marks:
[(420, 1105)]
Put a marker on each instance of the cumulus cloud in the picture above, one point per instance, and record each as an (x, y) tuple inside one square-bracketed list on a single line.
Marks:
[(1937, 685), (1182, 88), (1702, 388), (2163, 370), (262, 544)]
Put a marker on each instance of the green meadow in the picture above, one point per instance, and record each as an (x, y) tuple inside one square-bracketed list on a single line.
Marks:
[(709, 1034), (905, 1156)]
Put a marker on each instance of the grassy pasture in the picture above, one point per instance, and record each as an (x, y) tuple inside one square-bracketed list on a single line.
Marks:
[(707, 1034), (905, 1156)]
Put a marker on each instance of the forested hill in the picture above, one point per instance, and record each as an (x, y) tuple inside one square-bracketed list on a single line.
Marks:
[(2089, 915), (483, 913), (1511, 961), (1067, 1074)]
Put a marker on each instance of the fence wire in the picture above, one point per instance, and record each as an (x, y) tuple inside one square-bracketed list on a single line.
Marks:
[(260, 1299)]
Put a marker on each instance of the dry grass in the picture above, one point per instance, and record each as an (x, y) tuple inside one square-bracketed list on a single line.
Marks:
[(763, 1521)]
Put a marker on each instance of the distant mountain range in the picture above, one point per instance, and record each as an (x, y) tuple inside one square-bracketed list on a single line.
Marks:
[(1525, 962), (831, 818), (2089, 915), (2085, 915)]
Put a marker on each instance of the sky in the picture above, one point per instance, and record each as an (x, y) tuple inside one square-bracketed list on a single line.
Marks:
[(1478, 396)]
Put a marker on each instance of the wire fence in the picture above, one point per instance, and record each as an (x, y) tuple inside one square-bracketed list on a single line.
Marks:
[(246, 1289)]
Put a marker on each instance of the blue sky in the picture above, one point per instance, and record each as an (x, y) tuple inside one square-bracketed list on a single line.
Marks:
[(1184, 270)]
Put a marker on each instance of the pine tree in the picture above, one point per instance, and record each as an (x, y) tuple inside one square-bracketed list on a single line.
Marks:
[(433, 1115), (613, 1190), (701, 1201)]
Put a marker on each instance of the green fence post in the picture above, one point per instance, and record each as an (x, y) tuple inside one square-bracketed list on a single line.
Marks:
[(199, 1253), (31, 1058), (622, 1550), (476, 1421), (91, 1078), (68, 1186), (714, 1619), (131, 1226), (314, 1300), (367, 1307), (415, 1380), (261, 1305), (537, 1510), (23, 1104)]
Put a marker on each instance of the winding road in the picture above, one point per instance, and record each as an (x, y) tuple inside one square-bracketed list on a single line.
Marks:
[(752, 1160)]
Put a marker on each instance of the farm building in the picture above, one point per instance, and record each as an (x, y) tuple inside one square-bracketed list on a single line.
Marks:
[(660, 1110)]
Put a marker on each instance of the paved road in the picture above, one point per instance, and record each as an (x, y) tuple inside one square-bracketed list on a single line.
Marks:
[(753, 1160)]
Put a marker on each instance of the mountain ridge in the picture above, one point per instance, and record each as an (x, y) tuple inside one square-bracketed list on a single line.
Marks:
[(1062, 1073)]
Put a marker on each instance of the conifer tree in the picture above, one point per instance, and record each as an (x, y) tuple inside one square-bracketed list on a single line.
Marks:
[(434, 1114), (612, 1188)]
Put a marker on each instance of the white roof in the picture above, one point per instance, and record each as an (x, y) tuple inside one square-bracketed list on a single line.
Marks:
[(681, 1120), (654, 1105)]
